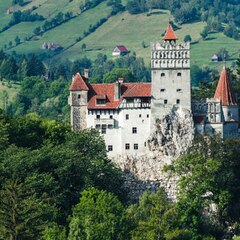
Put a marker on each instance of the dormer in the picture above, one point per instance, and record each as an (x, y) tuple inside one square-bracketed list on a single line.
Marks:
[(101, 99)]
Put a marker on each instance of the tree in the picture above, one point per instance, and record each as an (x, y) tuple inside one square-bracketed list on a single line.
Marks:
[(201, 187), (55, 232), (23, 216), (61, 72), (223, 54), (10, 44), (84, 46), (119, 73), (155, 218), (35, 67), (187, 38), (17, 40), (22, 70), (9, 68), (204, 33), (37, 31), (98, 215)]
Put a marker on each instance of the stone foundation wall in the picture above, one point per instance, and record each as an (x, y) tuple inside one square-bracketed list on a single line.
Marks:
[(171, 138)]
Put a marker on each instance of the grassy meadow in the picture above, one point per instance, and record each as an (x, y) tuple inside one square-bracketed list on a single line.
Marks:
[(133, 31)]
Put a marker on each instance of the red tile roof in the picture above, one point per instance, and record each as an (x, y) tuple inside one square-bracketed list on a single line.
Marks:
[(127, 90), (170, 34), (224, 90), (78, 83), (122, 48)]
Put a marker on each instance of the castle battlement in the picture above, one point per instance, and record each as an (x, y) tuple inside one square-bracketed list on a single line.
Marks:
[(165, 46)]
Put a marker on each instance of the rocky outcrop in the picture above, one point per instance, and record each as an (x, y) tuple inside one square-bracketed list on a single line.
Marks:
[(171, 138)]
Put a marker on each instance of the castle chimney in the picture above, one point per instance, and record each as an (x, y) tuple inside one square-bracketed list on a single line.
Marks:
[(117, 89), (120, 80), (86, 73)]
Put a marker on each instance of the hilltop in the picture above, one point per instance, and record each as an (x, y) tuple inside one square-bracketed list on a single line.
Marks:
[(134, 31)]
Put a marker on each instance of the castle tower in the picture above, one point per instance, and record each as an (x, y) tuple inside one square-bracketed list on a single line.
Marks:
[(170, 69), (225, 94), (78, 102)]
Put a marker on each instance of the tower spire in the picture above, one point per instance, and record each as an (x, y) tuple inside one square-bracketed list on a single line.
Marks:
[(224, 90), (170, 34)]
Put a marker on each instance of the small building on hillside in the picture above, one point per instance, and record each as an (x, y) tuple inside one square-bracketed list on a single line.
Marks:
[(216, 58), (51, 46), (120, 50)]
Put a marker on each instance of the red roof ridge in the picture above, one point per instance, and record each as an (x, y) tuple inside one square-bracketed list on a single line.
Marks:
[(78, 83), (224, 91), (101, 84), (170, 34)]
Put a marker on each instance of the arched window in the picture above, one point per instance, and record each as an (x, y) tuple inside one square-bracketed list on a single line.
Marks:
[(179, 74), (162, 74)]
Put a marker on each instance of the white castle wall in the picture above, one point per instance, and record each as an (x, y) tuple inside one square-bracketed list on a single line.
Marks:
[(170, 79), (121, 133)]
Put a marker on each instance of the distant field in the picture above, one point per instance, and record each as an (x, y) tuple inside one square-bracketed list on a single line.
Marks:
[(131, 31), (22, 30), (49, 8), (4, 17), (203, 51), (66, 33), (122, 29), (11, 92)]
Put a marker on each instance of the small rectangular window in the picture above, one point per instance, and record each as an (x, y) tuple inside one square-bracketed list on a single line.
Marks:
[(111, 116), (147, 115), (134, 130), (127, 146), (110, 148), (140, 115), (135, 146), (177, 101), (165, 101), (162, 90), (179, 90), (127, 116), (98, 126), (104, 129), (79, 96), (98, 116), (101, 101)]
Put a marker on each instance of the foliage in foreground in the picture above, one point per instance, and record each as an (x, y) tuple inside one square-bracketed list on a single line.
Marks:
[(43, 169)]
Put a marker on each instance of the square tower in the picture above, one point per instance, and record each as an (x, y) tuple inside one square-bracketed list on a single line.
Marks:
[(170, 69)]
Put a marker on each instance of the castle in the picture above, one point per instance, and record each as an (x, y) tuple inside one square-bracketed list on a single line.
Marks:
[(126, 113)]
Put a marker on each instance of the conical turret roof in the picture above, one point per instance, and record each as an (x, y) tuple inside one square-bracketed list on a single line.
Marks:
[(170, 34), (224, 90), (78, 83)]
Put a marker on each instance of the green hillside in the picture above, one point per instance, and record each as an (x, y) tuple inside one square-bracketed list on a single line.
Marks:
[(121, 29)]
